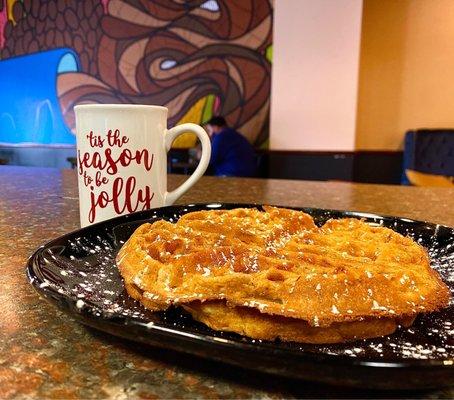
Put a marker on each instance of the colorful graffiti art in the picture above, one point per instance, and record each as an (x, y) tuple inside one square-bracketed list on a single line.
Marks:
[(198, 58)]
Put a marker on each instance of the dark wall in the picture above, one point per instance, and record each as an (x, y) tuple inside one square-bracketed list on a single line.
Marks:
[(37, 156), (367, 167)]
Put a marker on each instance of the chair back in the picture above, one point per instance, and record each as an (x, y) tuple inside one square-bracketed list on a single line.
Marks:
[(429, 152)]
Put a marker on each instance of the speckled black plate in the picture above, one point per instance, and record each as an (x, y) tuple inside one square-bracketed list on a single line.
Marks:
[(77, 273)]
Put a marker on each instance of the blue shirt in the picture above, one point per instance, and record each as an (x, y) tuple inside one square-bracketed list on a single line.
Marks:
[(232, 154)]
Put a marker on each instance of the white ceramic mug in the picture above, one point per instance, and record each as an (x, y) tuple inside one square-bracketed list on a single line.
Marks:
[(122, 159)]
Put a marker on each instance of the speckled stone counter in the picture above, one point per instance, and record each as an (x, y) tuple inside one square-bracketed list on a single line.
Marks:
[(46, 354)]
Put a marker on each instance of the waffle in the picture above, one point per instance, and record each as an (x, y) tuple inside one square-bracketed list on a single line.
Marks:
[(277, 263), (251, 322)]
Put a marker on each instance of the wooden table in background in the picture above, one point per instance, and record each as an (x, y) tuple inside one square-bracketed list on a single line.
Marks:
[(46, 354)]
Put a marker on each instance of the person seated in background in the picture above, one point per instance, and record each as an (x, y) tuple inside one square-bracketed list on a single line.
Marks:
[(231, 153)]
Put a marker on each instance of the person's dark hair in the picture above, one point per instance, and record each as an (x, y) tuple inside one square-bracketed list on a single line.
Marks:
[(216, 121)]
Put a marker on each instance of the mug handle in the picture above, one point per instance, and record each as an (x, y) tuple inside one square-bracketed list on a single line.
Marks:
[(171, 197)]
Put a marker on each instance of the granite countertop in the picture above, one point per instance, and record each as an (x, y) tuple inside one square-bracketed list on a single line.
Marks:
[(46, 354)]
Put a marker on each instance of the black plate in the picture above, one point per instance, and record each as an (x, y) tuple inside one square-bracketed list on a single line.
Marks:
[(77, 273)]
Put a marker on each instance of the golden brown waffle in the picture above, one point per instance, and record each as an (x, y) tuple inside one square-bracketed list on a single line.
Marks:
[(251, 322), (280, 263)]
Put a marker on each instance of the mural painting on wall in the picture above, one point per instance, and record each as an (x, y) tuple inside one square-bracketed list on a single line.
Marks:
[(198, 58)]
